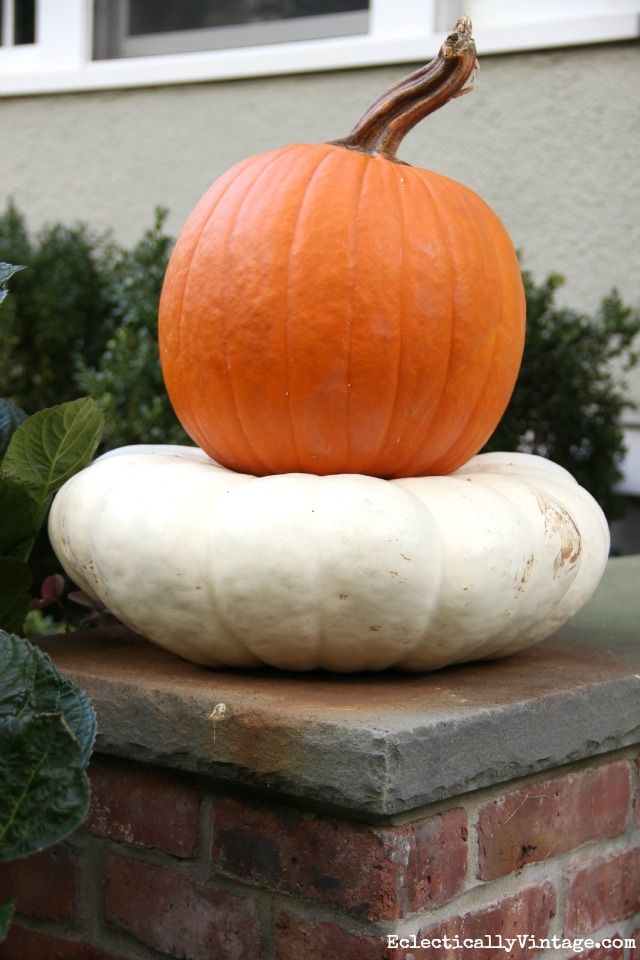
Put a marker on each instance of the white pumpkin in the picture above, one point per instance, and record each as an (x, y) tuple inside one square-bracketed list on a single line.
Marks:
[(343, 572)]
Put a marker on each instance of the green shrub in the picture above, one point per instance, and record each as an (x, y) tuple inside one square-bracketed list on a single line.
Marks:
[(126, 379), (59, 310), (83, 320), (568, 401)]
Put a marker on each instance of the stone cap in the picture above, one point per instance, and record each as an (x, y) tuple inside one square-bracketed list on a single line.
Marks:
[(375, 744)]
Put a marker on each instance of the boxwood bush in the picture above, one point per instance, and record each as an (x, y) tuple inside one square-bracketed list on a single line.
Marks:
[(126, 378), (569, 398), (58, 311)]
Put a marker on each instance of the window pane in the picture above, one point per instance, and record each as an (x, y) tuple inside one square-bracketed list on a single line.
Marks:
[(158, 16), (135, 28), (25, 21)]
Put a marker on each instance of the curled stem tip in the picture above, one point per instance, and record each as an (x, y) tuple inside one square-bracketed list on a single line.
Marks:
[(390, 117)]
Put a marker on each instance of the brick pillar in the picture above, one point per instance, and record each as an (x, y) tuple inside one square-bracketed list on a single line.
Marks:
[(169, 864), (484, 812)]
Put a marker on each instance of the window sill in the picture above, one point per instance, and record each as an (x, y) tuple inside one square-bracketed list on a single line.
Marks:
[(26, 71)]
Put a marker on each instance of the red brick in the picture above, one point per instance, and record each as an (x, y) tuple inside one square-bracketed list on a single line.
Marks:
[(526, 913), (602, 891), (553, 816), (373, 872), (179, 914), (25, 944), (141, 806), (44, 885), (320, 940)]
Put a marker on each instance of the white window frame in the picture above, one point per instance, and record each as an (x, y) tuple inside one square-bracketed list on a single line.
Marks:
[(400, 31)]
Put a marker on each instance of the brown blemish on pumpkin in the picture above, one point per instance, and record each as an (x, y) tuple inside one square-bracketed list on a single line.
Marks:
[(559, 522), (528, 568), (90, 570), (566, 554)]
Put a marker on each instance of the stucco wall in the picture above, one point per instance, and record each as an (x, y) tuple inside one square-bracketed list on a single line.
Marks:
[(551, 140)]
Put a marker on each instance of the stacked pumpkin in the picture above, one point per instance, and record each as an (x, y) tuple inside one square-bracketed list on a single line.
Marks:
[(340, 334)]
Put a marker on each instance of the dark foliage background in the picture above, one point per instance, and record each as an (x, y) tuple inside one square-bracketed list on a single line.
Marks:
[(569, 398)]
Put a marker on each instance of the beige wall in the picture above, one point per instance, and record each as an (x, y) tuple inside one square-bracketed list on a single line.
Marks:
[(551, 140)]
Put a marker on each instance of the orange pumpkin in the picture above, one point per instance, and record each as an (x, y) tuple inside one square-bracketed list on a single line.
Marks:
[(330, 309)]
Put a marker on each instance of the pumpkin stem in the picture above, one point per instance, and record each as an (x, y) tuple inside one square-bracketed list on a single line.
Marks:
[(383, 126)]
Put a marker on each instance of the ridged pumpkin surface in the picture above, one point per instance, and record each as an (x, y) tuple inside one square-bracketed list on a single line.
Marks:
[(329, 309), (340, 573), (326, 311)]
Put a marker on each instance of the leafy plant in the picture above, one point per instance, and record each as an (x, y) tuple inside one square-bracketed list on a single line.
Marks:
[(127, 380), (37, 623), (59, 310), (569, 398), (7, 270), (52, 595), (47, 725), (42, 453), (84, 322), (47, 731)]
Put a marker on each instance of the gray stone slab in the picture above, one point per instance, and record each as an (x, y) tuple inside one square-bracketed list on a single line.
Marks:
[(376, 744)]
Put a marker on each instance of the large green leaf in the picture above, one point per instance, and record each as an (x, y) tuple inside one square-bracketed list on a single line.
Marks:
[(6, 270), (51, 446), (6, 913), (15, 580), (16, 516), (11, 417), (30, 683), (45, 791)]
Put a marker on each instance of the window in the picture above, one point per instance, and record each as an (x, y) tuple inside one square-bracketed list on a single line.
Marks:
[(130, 28), (48, 46), (17, 22)]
